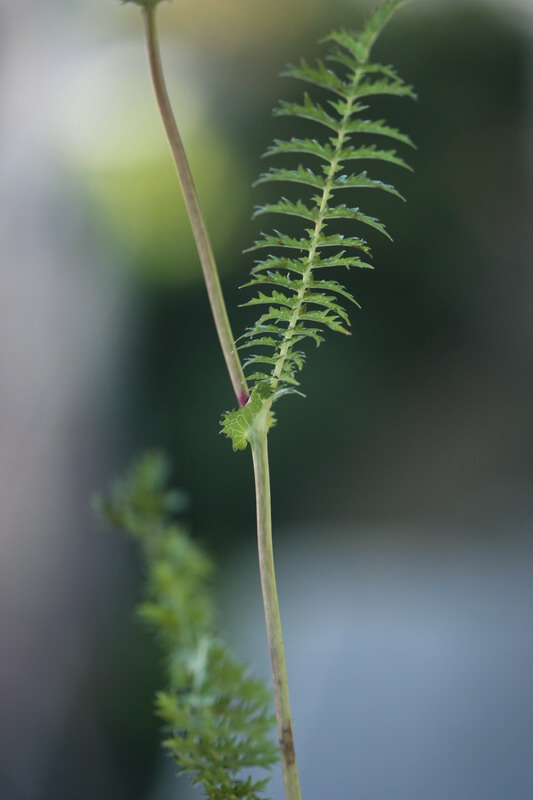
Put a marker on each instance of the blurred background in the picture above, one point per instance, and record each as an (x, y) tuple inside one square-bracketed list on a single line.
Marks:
[(402, 485)]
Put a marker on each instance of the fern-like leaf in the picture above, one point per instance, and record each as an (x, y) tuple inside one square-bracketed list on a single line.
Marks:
[(299, 175), (300, 305), (308, 110), (319, 75), (378, 128), (285, 206), (218, 718)]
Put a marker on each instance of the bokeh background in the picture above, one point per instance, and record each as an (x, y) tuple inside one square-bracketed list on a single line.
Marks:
[(402, 485)]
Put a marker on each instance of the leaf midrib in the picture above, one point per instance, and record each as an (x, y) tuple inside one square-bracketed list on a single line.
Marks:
[(319, 225)]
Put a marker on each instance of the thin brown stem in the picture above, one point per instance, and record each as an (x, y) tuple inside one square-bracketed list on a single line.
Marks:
[(205, 251)]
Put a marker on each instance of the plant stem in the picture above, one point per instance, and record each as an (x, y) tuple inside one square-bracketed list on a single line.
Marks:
[(199, 229), (259, 446)]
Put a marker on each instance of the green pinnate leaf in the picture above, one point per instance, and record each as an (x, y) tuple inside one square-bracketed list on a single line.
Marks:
[(296, 359), (349, 41), (299, 175), (343, 212), (302, 332), (341, 56), (278, 239), (360, 44), (278, 278), (336, 239), (347, 108), (333, 286), (259, 359), (308, 146), (362, 181), (292, 314), (274, 262), (328, 301), (340, 260), (275, 314), (385, 86), (284, 206), (276, 297), (378, 128), (307, 110), (260, 329), (376, 23), (266, 341), (325, 318), (260, 378), (371, 152), (319, 75)]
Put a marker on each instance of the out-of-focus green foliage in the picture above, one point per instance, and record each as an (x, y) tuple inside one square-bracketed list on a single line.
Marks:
[(218, 718)]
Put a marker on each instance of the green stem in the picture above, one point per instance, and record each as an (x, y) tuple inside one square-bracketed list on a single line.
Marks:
[(205, 251), (259, 446)]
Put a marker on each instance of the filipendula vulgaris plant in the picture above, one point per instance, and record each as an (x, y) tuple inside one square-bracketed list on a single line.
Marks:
[(217, 716)]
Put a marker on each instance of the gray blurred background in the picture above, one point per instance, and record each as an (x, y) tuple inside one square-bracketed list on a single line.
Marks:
[(402, 485)]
